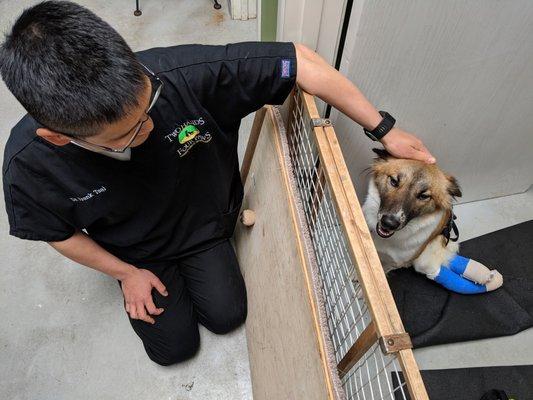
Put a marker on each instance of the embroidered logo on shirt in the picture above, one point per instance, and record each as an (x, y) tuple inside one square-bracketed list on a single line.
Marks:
[(191, 141), (285, 68), (188, 134)]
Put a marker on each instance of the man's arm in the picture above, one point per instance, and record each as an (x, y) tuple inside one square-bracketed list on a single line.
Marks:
[(137, 283), (317, 77)]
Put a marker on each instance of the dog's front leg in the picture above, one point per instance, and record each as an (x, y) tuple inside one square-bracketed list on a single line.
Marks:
[(473, 270), (456, 273), (434, 256)]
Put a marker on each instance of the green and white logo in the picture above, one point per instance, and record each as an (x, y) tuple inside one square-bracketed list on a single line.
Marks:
[(187, 133)]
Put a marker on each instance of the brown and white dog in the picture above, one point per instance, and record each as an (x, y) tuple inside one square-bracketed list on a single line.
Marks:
[(408, 206)]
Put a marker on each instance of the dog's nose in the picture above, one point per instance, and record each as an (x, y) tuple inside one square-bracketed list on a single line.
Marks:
[(390, 222)]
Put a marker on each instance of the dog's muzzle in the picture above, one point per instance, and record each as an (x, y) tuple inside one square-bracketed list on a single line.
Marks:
[(387, 225)]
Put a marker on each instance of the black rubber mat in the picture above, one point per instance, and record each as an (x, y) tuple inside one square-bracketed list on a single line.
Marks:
[(433, 315), (473, 383)]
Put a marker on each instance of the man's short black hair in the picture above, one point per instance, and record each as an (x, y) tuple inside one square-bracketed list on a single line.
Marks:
[(70, 69)]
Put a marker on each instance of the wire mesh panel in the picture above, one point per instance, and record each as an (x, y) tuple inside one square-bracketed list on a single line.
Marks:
[(374, 375), (346, 309)]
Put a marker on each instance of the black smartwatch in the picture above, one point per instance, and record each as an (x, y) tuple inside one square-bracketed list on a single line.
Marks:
[(383, 128)]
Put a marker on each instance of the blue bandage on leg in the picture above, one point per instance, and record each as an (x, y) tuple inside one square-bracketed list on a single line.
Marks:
[(451, 280), (458, 264)]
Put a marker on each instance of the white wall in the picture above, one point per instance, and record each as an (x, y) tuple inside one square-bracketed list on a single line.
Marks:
[(315, 23), (458, 74)]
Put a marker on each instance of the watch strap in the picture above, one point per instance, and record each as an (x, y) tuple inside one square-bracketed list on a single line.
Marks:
[(386, 124)]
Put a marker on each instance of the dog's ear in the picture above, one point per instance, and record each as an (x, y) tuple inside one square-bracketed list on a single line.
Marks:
[(453, 187), (382, 154)]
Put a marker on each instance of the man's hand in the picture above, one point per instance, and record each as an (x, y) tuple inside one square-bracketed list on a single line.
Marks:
[(137, 288), (404, 145), (317, 77), (136, 283)]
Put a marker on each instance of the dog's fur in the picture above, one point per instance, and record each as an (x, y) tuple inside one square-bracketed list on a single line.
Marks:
[(417, 197)]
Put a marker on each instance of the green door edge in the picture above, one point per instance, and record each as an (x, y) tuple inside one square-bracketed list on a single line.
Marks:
[(269, 20)]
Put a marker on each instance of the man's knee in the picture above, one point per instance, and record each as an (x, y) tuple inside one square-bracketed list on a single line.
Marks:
[(173, 353), (225, 321)]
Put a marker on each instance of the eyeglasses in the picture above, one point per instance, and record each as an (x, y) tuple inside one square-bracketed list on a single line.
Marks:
[(136, 129)]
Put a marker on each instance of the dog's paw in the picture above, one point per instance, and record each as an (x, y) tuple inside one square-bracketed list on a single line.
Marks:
[(495, 281)]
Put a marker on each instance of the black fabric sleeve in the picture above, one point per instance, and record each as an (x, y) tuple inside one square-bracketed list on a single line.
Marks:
[(234, 80), (34, 210)]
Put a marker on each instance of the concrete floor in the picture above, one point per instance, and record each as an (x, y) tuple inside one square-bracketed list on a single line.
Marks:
[(64, 333)]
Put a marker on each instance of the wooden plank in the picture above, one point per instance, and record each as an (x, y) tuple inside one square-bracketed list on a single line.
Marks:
[(306, 270), (385, 317), (367, 338), (308, 102), (286, 360), (252, 142), (412, 376)]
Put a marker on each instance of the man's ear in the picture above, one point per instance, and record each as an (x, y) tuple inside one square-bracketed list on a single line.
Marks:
[(453, 187), (382, 154), (53, 137)]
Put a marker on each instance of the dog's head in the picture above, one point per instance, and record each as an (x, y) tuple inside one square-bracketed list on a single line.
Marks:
[(409, 189)]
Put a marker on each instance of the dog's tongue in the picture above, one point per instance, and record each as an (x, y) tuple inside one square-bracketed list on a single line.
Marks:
[(384, 233)]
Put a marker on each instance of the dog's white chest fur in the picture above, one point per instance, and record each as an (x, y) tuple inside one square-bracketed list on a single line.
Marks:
[(398, 250)]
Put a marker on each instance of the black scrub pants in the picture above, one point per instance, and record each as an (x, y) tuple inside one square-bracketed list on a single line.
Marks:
[(206, 288)]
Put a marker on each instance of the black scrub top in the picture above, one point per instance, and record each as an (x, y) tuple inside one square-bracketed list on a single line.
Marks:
[(181, 191)]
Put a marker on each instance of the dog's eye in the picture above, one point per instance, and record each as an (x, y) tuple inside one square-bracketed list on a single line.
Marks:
[(423, 196), (393, 181)]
